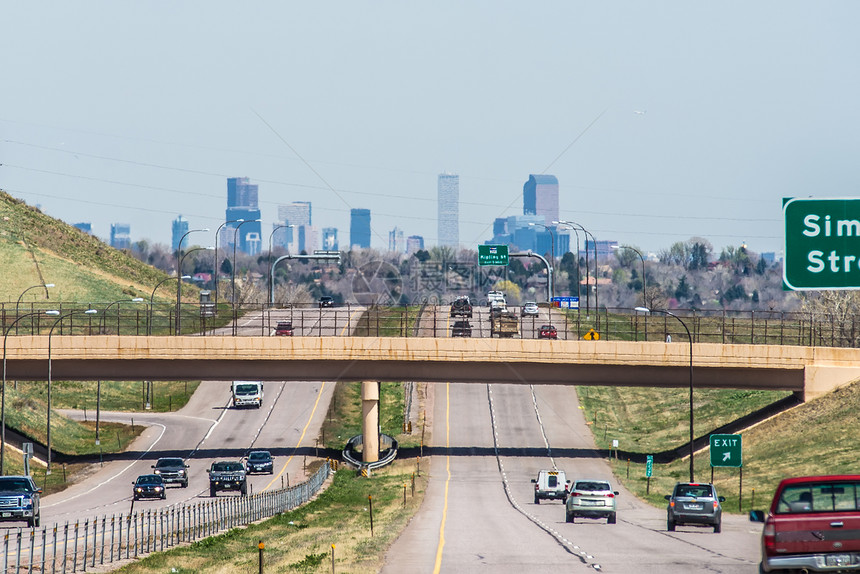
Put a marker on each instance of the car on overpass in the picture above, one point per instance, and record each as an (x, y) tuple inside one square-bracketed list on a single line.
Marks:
[(461, 307), (548, 332), (530, 308), (326, 301), (461, 329), (284, 329)]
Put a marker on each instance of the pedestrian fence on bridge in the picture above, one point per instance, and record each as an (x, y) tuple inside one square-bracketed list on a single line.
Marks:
[(77, 546)]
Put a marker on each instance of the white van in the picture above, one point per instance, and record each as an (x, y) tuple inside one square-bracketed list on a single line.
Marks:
[(247, 393), (552, 484)]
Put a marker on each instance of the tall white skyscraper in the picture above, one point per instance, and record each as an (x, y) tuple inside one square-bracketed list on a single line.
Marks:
[(448, 233)]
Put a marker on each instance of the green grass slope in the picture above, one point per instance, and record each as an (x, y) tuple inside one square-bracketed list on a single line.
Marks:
[(36, 249)]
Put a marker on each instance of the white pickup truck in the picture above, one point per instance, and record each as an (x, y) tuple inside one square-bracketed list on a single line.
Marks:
[(247, 393)]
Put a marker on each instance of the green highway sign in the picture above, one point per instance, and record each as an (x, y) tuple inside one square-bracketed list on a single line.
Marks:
[(726, 450), (822, 244), (492, 254)]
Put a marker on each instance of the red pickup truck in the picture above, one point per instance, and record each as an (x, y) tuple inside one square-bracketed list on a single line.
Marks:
[(813, 525)]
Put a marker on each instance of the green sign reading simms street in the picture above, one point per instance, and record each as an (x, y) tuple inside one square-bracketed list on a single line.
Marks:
[(822, 244), (492, 254)]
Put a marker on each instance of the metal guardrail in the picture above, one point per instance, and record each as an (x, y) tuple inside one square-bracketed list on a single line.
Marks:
[(73, 547), (389, 452)]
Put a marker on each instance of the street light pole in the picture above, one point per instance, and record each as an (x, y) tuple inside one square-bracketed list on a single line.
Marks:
[(642, 257), (179, 285), (551, 258), (578, 278), (233, 267), (690, 338), (104, 313), (50, 335), (179, 274), (588, 285), (270, 281), (47, 296), (3, 390), (217, 233), (152, 300)]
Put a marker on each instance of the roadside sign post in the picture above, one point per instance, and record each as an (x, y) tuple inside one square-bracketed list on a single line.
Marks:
[(649, 469), (727, 450), (492, 254)]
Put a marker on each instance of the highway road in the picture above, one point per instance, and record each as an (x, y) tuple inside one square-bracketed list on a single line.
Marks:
[(478, 514)]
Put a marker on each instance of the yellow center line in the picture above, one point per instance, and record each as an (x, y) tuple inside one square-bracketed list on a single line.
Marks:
[(438, 565), (299, 443), (349, 321)]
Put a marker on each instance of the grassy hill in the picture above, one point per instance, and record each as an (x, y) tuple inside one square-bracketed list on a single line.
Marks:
[(36, 249)]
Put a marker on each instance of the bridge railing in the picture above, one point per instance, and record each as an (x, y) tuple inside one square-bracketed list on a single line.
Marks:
[(715, 326), (90, 543)]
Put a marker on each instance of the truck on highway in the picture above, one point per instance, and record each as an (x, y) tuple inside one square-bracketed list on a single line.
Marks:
[(812, 525), (505, 324), (227, 475), (247, 394)]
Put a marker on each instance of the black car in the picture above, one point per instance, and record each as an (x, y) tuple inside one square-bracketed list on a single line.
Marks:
[(326, 301), (461, 307), (259, 461), (149, 486), (461, 329), (172, 470), (19, 500)]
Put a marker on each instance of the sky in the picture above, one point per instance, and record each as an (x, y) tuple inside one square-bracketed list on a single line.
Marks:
[(662, 120)]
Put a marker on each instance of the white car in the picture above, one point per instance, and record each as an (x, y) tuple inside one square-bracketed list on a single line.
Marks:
[(591, 498), (530, 308)]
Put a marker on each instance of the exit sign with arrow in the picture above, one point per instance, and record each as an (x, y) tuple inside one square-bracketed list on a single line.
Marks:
[(726, 450)]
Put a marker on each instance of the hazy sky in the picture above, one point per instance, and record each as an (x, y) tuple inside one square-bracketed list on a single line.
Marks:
[(662, 120)]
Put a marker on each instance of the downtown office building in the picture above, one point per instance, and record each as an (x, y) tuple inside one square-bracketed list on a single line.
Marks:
[(242, 204), (448, 196)]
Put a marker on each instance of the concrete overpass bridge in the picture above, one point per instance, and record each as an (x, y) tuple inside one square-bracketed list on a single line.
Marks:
[(807, 371)]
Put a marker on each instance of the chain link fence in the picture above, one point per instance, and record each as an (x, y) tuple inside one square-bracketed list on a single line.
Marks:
[(82, 545)]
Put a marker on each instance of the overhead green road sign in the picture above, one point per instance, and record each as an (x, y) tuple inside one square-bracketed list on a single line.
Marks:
[(492, 254), (726, 450), (822, 244)]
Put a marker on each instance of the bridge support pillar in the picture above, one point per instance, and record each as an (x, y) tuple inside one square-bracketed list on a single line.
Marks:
[(370, 421)]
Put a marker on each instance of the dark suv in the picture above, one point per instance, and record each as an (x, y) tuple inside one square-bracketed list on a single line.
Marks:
[(172, 470), (326, 301), (259, 461), (19, 500), (461, 307), (694, 503), (461, 329)]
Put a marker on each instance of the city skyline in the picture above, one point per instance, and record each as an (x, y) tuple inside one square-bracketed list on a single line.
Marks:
[(675, 132)]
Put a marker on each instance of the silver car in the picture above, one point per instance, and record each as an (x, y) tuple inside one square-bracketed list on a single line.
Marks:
[(530, 308), (591, 498)]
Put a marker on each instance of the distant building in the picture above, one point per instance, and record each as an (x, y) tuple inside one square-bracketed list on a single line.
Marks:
[(359, 228), (243, 203), (396, 241), (120, 235), (282, 236), (540, 197), (296, 213), (308, 239), (768, 256), (414, 243), (448, 219), (604, 248), (86, 227), (179, 228), (329, 239)]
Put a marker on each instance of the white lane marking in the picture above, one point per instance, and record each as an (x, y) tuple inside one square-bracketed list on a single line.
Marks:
[(111, 478)]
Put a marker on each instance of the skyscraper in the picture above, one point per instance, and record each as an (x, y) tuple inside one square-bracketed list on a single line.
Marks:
[(120, 235), (242, 198), (180, 228), (296, 213), (448, 218), (359, 228), (540, 197), (396, 241), (329, 238), (414, 243)]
